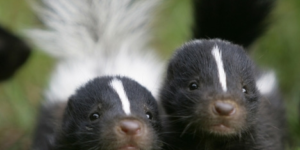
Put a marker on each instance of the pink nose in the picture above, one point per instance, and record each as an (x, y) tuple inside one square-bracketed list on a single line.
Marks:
[(130, 127), (224, 108)]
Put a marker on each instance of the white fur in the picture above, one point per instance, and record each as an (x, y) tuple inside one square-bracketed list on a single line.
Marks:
[(266, 83), (222, 75), (93, 38), (117, 85)]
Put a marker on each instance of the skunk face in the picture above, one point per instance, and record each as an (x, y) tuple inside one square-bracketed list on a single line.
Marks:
[(210, 88), (111, 113)]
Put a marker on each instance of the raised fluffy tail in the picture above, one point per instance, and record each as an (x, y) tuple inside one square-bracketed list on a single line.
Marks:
[(94, 38), (238, 21), (76, 28)]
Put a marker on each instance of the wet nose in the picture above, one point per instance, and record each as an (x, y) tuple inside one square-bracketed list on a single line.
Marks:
[(224, 108), (130, 127)]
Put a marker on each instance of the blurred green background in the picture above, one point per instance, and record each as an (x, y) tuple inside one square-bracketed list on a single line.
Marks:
[(20, 97)]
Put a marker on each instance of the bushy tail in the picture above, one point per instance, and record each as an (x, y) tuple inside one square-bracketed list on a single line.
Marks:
[(91, 27), (238, 21), (94, 38)]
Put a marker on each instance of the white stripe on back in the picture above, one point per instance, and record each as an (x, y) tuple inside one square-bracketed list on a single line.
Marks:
[(118, 87), (266, 83), (222, 75)]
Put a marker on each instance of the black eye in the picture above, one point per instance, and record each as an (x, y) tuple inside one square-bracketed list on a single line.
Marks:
[(94, 116), (149, 115), (193, 86)]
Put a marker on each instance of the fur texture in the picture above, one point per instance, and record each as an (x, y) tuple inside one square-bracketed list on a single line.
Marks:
[(80, 131), (192, 91), (90, 39), (93, 38)]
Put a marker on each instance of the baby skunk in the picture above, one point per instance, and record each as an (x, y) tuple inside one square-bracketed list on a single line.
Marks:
[(110, 113), (92, 39), (13, 53), (211, 97), (214, 96)]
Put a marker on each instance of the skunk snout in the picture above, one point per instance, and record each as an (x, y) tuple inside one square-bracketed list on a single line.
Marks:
[(223, 117), (130, 127), (133, 133), (224, 108)]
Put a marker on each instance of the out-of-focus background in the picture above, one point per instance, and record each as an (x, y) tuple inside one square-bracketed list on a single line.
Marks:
[(20, 97)]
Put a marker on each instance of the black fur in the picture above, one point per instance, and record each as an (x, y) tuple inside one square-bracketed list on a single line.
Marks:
[(50, 116), (238, 21), (13, 54), (259, 124), (78, 132)]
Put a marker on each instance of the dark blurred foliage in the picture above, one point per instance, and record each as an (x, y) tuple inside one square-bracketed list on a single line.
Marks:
[(13, 53)]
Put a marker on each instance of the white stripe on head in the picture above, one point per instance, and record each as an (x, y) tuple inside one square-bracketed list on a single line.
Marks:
[(118, 87), (222, 75)]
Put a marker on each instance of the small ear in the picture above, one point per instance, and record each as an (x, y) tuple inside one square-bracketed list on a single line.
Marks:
[(68, 115), (170, 72), (70, 106)]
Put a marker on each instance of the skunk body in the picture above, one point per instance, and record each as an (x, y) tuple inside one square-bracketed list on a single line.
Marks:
[(98, 117), (90, 39), (13, 53), (214, 99), (94, 38), (213, 94)]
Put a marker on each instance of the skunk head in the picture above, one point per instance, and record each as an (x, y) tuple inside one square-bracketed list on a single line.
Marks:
[(111, 113), (210, 88)]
